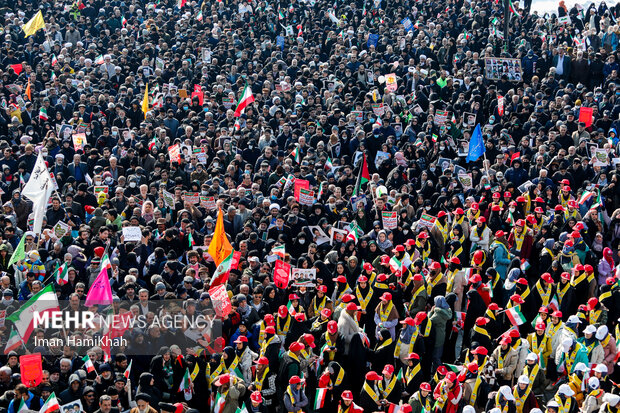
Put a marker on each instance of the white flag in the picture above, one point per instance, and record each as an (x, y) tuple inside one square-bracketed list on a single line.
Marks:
[(39, 189)]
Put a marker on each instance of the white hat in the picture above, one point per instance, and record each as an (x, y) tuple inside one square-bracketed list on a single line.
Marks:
[(531, 357), (495, 410), (536, 410), (601, 368), (593, 383), (602, 332), (469, 409), (507, 393), (581, 367), (590, 329), (553, 403), (276, 206), (573, 319), (523, 379), (566, 390), (566, 343), (612, 399)]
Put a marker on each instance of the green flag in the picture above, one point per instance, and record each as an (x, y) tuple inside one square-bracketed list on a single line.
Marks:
[(19, 253)]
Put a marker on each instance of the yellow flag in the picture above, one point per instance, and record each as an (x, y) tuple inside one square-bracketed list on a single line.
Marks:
[(145, 101), (34, 25), (219, 248)]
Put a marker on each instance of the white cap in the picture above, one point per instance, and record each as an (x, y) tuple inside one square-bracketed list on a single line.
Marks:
[(581, 367), (531, 357), (536, 410), (553, 404), (612, 399), (523, 379), (566, 343), (566, 390), (573, 319), (601, 368), (276, 206), (602, 332), (590, 329), (469, 409), (507, 393), (593, 383)]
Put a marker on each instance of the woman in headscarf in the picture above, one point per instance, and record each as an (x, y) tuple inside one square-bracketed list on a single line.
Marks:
[(606, 266), (383, 242), (245, 357), (162, 369), (439, 315), (270, 298), (146, 384), (383, 352)]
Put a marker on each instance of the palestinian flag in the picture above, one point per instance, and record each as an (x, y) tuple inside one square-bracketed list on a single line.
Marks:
[(62, 274), (51, 404), (128, 370), (13, 342), (88, 365), (515, 316), (453, 367), (319, 400), (54, 60), (43, 114), (246, 98), (328, 164), (362, 178), (185, 386), (296, 155)]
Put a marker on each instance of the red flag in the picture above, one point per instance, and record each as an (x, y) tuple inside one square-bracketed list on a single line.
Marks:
[(221, 300), (585, 115), (300, 184), (198, 92), (31, 369), (235, 260), (500, 105), (281, 273), (17, 68), (514, 156)]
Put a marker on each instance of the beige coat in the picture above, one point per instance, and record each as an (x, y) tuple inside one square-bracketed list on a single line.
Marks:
[(507, 372)]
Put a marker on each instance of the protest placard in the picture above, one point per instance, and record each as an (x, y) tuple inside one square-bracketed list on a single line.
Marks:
[(304, 277), (390, 219), (132, 234)]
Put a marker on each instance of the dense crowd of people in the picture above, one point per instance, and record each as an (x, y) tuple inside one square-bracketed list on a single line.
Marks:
[(423, 206)]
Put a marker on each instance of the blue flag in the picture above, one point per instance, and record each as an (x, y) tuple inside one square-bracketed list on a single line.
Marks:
[(373, 40), (476, 145)]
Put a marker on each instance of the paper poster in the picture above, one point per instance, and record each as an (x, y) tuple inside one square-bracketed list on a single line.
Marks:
[(406, 22), (192, 197), (220, 300), (358, 202), (390, 82), (524, 187), (73, 407), (2, 317), (299, 184), (100, 188), (380, 157), (306, 197), (601, 157), (318, 235), (78, 141), (201, 155), (378, 108), (207, 202), (359, 115), (168, 199), (427, 221), (60, 230), (390, 219), (465, 180), (175, 153), (281, 273), (564, 20), (337, 235), (496, 67), (441, 116), (132, 234), (304, 277), (228, 102)]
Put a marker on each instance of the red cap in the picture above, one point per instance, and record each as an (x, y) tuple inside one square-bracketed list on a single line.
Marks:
[(423, 235), (497, 195), (385, 259), (475, 206), (409, 321), (514, 333), (89, 208), (578, 226), (592, 302), (347, 395), (507, 194), (295, 346), (481, 220), (558, 208), (451, 376), (269, 320), (506, 340), (531, 219), (459, 211), (557, 314), (522, 281), (419, 317), (442, 370), (412, 356), (520, 222), (565, 276), (575, 234), (373, 376), (482, 351), (579, 267), (362, 279), (386, 297), (493, 307), (543, 309), (410, 242), (566, 188), (435, 265), (610, 281), (478, 256), (262, 361), (398, 248), (300, 317), (326, 312), (565, 181), (546, 277), (256, 397), (540, 325), (455, 260), (472, 367), (382, 277), (418, 277), (270, 330), (482, 321), (572, 203), (282, 311), (441, 214), (388, 369), (99, 251), (322, 288), (539, 210), (368, 266), (332, 327), (241, 339), (496, 208), (340, 279), (294, 380), (425, 386), (520, 198), (517, 298), (353, 307), (223, 379), (309, 338), (499, 233), (588, 268), (293, 296), (347, 298), (475, 278)]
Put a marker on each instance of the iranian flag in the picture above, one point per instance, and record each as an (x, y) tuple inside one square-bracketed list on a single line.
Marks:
[(296, 155), (500, 105), (43, 114), (242, 409), (51, 404), (220, 401), (185, 386), (290, 308), (554, 304), (199, 17), (99, 60), (123, 21), (13, 342), (394, 408), (278, 251), (328, 164), (246, 98), (362, 178), (585, 196), (152, 143), (319, 400), (62, 274), (22, 407), (515, 316), (221, 272), (128, 370), (395, 264), (45, 301), (88, 364), (400, 376), (54, 60)]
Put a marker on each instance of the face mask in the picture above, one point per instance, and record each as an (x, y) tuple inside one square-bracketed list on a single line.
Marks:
[(109, 181), (132, 184), (441, 148), (216, 165), (405, 231), (8, 302), (114, 133), (427, 208), (205, 109), (185, 107), (432, 169), (251, 146), (30, 132), (512, 209), (302, 241)]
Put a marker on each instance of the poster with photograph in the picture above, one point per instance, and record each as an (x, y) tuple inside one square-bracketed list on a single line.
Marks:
[(318, 235), (496, 67), (337, 235), (304, 277), (73, 407)]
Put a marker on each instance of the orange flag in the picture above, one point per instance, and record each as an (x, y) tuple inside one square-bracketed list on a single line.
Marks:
[(220, 247), (29, 91)]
